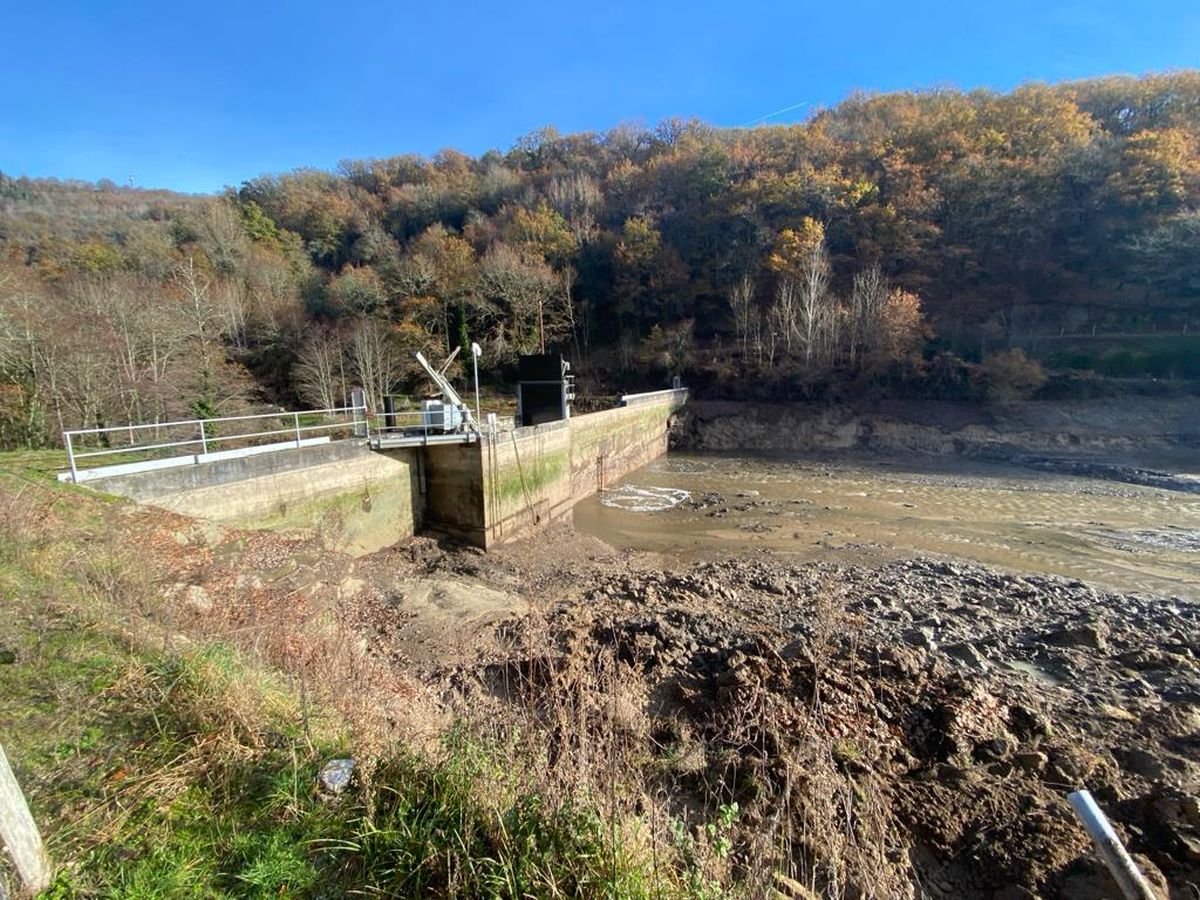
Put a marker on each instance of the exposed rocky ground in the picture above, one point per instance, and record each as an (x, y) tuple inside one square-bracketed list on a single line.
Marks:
[(1086, 468), (924, 719), (909, 729)]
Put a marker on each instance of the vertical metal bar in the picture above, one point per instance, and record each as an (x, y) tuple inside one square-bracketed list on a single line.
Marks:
[(203, 439), (296, 417), (1125, 873), (71, 458)]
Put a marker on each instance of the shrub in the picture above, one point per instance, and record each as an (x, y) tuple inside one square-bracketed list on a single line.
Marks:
[(1011, 375)]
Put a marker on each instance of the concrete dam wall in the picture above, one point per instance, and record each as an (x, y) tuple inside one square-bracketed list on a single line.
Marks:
[(510, 483), (361, 500)]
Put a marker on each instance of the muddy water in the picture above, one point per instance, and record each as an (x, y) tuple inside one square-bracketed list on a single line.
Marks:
[(1114, 535)]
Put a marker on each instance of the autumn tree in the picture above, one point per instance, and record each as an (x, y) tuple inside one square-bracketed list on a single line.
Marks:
[(523, 288)]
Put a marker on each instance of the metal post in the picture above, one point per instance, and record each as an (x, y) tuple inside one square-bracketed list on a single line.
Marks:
[(296, 417), (203, 439), (476, 350), (71, 458), (19, 833), (1132, 882)]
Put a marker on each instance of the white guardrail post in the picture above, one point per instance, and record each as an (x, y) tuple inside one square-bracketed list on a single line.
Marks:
[(19, 833), (71, 458)]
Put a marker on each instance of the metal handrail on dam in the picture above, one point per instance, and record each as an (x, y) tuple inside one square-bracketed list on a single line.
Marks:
[(205, 434), (126, 454)]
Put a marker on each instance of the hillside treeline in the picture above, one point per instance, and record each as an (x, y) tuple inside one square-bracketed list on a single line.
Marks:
[(890, 232)]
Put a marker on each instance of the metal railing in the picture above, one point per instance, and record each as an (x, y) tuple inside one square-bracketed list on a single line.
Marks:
[(207, 434), (418, 425)]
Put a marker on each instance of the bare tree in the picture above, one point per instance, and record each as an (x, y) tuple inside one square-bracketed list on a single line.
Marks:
[(757, 328), (741, 302), (320, 372), (201, 317), (376, 360), (867, 300), (232, 307), (223, 237), (785, 311), (577, 197), (528, 290), (209, 379), (813, 299)]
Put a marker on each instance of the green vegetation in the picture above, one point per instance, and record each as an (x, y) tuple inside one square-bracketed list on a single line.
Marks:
[(163, 764), (805, 257), (530, 474), (1155, 355)]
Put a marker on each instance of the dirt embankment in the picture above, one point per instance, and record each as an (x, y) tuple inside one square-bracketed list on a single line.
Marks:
[(905, 730), (909, 730), (1107, 427)]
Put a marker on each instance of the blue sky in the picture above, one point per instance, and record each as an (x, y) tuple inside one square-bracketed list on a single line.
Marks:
[(197, 96)]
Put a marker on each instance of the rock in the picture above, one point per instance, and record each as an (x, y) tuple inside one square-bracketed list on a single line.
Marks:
[(1014, 892), (1032, 761), (1028, 723), (920, 637), (968, 655), (197, 599), (335, 776), (990, 751), (1072, 766), (1143, 763), (1190, 808), (952, 774), (1000, 769), (1093, 636)]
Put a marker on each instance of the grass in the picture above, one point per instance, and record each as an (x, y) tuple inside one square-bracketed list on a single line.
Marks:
[(1172, 356), (160, 764)]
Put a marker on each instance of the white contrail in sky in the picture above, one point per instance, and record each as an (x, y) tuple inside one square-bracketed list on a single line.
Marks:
[(770, 115)]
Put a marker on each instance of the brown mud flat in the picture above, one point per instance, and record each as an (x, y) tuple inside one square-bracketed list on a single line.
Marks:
[(909, 729), (902, 729)]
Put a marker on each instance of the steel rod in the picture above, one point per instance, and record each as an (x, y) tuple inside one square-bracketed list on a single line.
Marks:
[(275, 415), (71, 459), (1129, 878)]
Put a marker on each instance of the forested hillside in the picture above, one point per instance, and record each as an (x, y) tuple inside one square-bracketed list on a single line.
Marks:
[(889, 237)]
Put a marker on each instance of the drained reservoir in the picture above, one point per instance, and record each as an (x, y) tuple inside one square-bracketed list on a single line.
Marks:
[(863, 508)]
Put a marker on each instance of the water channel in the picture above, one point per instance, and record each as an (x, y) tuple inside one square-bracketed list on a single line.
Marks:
[(867, 508)]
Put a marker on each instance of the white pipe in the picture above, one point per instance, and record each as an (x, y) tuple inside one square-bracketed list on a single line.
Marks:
[(1132, 882)]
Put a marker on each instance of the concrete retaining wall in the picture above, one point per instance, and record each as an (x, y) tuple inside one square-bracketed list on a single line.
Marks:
[(357, 500)]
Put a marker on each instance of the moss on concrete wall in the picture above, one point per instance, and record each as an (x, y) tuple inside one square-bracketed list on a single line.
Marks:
[(565, 462), (533, 475)]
